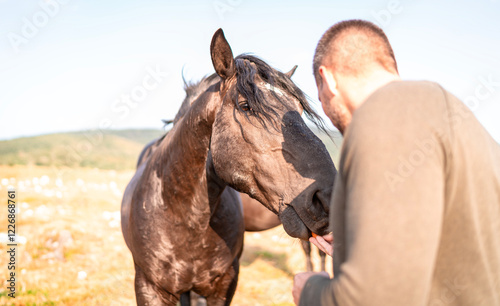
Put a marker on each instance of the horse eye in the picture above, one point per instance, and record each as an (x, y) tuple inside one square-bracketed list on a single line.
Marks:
[(244, 106)]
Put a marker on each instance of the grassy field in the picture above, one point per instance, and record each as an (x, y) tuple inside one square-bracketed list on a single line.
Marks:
[(73, 253)]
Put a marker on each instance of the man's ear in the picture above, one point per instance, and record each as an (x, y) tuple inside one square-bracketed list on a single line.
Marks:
[(222, 56), (328, 80)]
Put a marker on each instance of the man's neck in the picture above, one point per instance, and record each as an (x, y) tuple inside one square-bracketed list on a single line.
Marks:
[(361, 88)]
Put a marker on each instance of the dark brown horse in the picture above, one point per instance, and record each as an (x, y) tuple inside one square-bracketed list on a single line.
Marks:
[(182, 225)]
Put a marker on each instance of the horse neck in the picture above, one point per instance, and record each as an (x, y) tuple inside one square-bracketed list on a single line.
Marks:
[(188, 184)]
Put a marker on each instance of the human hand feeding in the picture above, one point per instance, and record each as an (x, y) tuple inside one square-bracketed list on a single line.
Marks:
[(324, 243)]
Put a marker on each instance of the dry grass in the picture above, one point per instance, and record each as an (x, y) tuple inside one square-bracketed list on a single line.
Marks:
[(94, 267)]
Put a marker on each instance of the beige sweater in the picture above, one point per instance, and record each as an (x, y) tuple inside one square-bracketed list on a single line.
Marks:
[(415, 211)]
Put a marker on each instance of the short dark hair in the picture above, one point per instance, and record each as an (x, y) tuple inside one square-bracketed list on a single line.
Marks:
[(349, 46)]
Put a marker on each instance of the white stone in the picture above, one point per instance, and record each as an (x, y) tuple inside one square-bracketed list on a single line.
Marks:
[(44, 180), (82, 275)]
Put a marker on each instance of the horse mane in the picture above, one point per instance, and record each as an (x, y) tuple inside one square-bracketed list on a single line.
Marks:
[(193, 91), (247, 67)]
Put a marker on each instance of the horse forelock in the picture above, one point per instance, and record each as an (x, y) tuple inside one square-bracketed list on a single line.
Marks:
[(278, 85)]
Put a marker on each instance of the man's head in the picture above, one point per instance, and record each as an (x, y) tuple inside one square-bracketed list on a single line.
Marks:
[(353, 58)]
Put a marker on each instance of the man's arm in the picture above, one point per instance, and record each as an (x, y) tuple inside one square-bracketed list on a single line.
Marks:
[(393, 173)]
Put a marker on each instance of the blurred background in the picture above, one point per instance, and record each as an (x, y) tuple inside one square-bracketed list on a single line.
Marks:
[(75, 111)]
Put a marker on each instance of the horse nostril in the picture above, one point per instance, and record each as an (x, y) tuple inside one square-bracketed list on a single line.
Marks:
[(321, 202), (316, 209)]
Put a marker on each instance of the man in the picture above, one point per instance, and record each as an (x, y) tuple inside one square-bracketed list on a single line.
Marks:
[(415, 209)]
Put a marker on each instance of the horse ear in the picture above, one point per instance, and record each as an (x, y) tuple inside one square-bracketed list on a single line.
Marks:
[(222, 56), (291, 72)]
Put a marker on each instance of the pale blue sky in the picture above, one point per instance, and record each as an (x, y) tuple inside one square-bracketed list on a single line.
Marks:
[(71, 70)]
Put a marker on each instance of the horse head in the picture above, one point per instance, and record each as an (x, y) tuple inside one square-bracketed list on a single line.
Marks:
[(261, 146)]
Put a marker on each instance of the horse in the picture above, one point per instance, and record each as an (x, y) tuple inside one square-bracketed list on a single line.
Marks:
[(257, 218), (182, 225)]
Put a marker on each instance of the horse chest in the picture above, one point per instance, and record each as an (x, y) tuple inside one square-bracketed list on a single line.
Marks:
[(193, 265)]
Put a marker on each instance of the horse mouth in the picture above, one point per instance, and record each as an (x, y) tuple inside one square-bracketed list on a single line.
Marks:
[(296, 227)]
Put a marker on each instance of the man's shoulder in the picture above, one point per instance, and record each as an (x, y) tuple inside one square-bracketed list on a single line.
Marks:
[(399, 111), (402, 102), (421, 85), (400, 94)]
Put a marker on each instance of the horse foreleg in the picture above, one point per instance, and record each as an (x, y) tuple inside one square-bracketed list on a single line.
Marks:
[(226, 286), (322, 256), (234, 282), (306, 246), (186, 299), (147, 293)]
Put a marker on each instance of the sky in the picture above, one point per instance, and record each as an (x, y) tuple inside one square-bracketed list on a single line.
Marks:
[(68, 65)]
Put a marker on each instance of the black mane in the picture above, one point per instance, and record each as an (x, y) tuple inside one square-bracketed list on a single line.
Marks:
[(193, 91), (247, 67)]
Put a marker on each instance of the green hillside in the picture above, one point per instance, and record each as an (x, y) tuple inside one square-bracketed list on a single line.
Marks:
[(112, 149)]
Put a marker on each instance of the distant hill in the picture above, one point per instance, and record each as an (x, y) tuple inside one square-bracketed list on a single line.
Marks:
[(111, 149)]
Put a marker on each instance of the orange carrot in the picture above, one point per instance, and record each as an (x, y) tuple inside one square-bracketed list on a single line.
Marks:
[(314, 235)]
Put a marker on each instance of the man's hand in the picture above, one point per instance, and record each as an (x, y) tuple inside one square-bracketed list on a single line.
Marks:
[(324, 243), (300, 280)]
